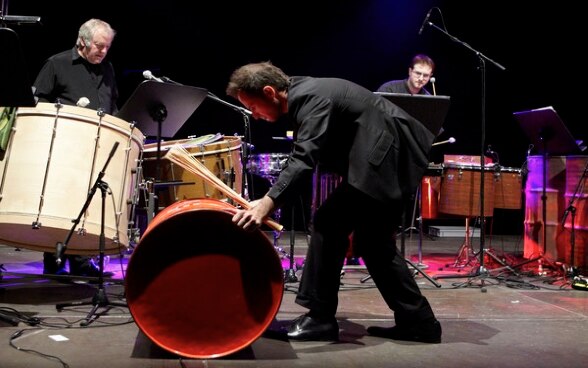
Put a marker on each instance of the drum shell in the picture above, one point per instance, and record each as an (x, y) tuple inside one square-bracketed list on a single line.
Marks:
[(508, 192), (53, 160), (200, 286), (562, 189), (430, 195), (576, 197), (460, 191), (222, 158), (555, 182)]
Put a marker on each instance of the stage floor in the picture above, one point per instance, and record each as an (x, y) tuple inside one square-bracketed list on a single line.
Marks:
[(504, 314)]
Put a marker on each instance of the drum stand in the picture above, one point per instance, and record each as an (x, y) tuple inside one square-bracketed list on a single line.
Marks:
[(463, 254), (100, 299)]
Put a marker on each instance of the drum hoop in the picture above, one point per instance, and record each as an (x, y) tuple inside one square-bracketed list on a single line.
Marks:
[(231, 146), (468, 167), (504, 169), (138, 138)]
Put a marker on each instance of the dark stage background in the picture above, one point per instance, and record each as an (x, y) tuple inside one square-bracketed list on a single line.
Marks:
[(366, 41)]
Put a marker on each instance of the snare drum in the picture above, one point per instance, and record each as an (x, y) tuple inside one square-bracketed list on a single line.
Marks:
[(54, 158), (460, 190), (222, 158), (508, 188)]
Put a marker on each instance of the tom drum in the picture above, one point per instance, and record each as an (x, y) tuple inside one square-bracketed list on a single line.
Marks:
[(222, 158), (460, 190)]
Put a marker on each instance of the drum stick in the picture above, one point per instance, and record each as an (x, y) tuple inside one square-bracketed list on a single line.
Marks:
[(179, 155), (450, 140)]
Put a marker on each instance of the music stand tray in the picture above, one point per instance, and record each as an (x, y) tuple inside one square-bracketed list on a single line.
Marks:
[(429, 110), (153, 102), (15, 89), (547, 132)]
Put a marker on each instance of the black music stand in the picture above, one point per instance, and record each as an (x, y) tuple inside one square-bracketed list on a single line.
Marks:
[(431, 112), (151, 104), (15, 90), (549, 135)]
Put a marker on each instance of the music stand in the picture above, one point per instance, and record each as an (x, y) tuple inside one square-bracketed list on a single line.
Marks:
[(431, 112), (152, 103), (549, 135), (16, 89)]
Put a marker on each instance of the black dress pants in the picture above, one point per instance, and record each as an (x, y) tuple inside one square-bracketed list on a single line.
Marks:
[(374, 225)]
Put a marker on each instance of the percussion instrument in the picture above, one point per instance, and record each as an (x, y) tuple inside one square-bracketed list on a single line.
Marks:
[(267, 165), (430, 191), (222, 158), (576, 195), (534, 243), (200, 286), (53, 159), (460, 190), (565, 184), (507, 188)]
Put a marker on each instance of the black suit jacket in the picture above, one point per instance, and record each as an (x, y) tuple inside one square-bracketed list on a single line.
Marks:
[(348, 130)]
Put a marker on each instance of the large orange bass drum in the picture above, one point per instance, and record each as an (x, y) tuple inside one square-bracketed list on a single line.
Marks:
[(200, 286)]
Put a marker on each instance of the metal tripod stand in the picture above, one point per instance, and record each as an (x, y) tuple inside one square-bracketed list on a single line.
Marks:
[(99, 299)]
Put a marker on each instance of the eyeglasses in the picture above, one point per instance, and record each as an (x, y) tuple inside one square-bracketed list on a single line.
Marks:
[(420, 74)]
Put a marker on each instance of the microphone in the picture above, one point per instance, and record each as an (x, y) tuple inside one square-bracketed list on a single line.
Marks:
[(83, 102), (148, 75), (425, 21), (450, 140), (432, 80)]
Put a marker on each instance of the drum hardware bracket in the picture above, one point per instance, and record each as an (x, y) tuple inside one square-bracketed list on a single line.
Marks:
[(100, 299)]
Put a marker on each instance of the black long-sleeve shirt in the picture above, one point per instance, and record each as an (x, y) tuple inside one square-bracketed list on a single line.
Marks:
[(68, 77)]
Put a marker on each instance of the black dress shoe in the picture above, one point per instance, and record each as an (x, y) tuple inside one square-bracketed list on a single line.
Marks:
[(427, 331), (307, 328)]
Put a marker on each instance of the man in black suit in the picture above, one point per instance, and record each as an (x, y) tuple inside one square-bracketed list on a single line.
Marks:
[(381, 154)]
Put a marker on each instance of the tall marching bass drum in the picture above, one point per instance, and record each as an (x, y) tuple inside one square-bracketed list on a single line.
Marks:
[(54, 156), (200, 286)]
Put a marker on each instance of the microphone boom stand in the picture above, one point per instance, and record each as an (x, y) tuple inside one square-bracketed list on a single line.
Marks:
[(245, 144), (100, 299), (481, 270)]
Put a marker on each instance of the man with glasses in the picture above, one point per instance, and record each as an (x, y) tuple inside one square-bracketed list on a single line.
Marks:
[(420, 72)]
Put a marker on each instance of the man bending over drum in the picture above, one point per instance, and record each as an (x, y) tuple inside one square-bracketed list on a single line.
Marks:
[(381, 154)]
